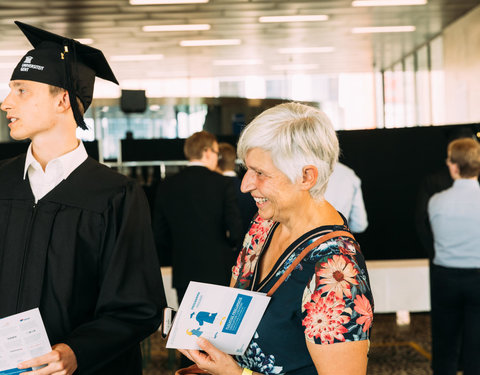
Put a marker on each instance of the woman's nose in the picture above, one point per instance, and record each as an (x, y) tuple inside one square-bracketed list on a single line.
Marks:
[(248, 182)]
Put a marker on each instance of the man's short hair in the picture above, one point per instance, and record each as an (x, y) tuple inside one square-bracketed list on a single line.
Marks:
[(226, 157), (197, 143), (465, 152), (55, 90)]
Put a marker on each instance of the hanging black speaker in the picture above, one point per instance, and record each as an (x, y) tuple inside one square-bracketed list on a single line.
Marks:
[(133, 101)]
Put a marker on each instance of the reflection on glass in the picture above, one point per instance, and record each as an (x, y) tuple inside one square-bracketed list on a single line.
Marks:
[(159, 121), (437, 81), (409, 80), (389, 98), (399, 104), (422, 83)]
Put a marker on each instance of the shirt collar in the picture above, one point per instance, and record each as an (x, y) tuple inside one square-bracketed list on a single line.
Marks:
[(465, 182), (196, 164), (69, 161), (230, 173)]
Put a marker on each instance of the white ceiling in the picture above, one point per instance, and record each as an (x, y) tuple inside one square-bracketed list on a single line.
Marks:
[(116, 28)]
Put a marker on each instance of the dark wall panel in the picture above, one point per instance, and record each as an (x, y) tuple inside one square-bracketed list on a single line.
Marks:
[(391, 164)]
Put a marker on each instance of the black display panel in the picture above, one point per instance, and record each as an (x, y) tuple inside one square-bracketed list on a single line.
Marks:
[(133, 101)]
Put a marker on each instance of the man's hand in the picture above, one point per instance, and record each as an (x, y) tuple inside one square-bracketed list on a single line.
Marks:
[(60, 361)]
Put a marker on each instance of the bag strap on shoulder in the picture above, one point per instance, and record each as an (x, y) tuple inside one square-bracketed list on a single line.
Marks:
[(326, 237)]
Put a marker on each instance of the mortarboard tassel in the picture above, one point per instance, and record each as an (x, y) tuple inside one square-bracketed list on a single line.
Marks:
[(69, 57)]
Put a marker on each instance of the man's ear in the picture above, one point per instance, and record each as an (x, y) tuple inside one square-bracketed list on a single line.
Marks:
[(309, 177), (63, 101), (454, 171)]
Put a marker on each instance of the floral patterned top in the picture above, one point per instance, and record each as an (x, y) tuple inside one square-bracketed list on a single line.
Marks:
[(326, 299)]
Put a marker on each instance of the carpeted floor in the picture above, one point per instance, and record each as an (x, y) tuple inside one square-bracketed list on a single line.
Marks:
[(395, 350)]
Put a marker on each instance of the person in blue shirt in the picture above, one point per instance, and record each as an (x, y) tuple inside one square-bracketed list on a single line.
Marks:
[(454, 216)]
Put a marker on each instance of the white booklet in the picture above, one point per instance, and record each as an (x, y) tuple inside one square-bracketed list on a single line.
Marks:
[(227, 317), (22, 337)]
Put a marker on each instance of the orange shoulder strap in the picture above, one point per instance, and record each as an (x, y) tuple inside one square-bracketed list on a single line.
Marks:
[(326, 237)]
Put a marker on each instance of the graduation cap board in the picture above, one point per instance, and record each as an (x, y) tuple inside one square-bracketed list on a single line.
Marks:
[(63, 62)]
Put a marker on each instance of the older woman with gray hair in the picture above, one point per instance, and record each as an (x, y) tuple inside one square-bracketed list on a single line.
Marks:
[(298, 249)]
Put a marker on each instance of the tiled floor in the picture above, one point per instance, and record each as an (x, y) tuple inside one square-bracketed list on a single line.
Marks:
[(395, 350), (400, 350)]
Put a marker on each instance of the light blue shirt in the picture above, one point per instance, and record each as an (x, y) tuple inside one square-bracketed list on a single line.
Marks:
[(455, 219), (344, 192)]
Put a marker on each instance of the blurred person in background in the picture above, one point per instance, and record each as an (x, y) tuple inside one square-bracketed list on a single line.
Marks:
[(344, 192), (226, 166), (196, 217)]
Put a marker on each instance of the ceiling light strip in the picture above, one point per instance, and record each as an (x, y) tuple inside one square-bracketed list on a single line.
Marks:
[(306, 18), (122, 58), (382, 3), (383, 29), (301, 50), (237, 62), (211, 42), (295, 67), (84, 40), (197, 27), (165, 2)]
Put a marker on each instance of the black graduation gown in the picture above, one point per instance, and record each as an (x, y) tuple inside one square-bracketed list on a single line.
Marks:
[(85, 255)]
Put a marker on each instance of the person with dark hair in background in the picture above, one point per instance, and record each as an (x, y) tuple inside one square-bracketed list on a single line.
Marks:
[(226, 166), (455, 271), (196, 217), (76, 239)]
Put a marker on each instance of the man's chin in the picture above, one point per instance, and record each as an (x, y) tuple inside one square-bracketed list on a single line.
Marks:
[(17, 136)]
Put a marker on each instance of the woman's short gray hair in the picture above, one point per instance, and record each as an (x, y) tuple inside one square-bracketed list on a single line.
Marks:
[(295, 135)]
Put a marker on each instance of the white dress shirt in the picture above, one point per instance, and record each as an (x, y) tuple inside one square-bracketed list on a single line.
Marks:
[(230, 173), (344, 192), (57, 170)]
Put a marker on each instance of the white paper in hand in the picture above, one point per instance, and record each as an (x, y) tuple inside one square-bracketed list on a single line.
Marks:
[(22, 337), (227, 317)]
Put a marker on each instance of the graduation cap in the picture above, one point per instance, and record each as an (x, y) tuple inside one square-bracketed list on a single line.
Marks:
[(63, 62)]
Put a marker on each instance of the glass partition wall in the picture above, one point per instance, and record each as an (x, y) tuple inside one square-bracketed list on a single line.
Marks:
[(414, 88)]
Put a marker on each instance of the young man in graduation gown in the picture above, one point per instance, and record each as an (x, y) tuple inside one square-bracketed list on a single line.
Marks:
[(75, 237)]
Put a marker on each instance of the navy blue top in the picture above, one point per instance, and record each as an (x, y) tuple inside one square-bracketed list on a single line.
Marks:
[(325, 300)]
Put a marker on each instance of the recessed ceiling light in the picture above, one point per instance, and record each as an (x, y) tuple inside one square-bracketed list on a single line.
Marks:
[(136, 57), (164, 2), (383, 29), (211, 42), (298, 50), (306, 18), (85, 40), (13, 52), (237, 62), (383, 3), (197, 27), (295, 67)]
